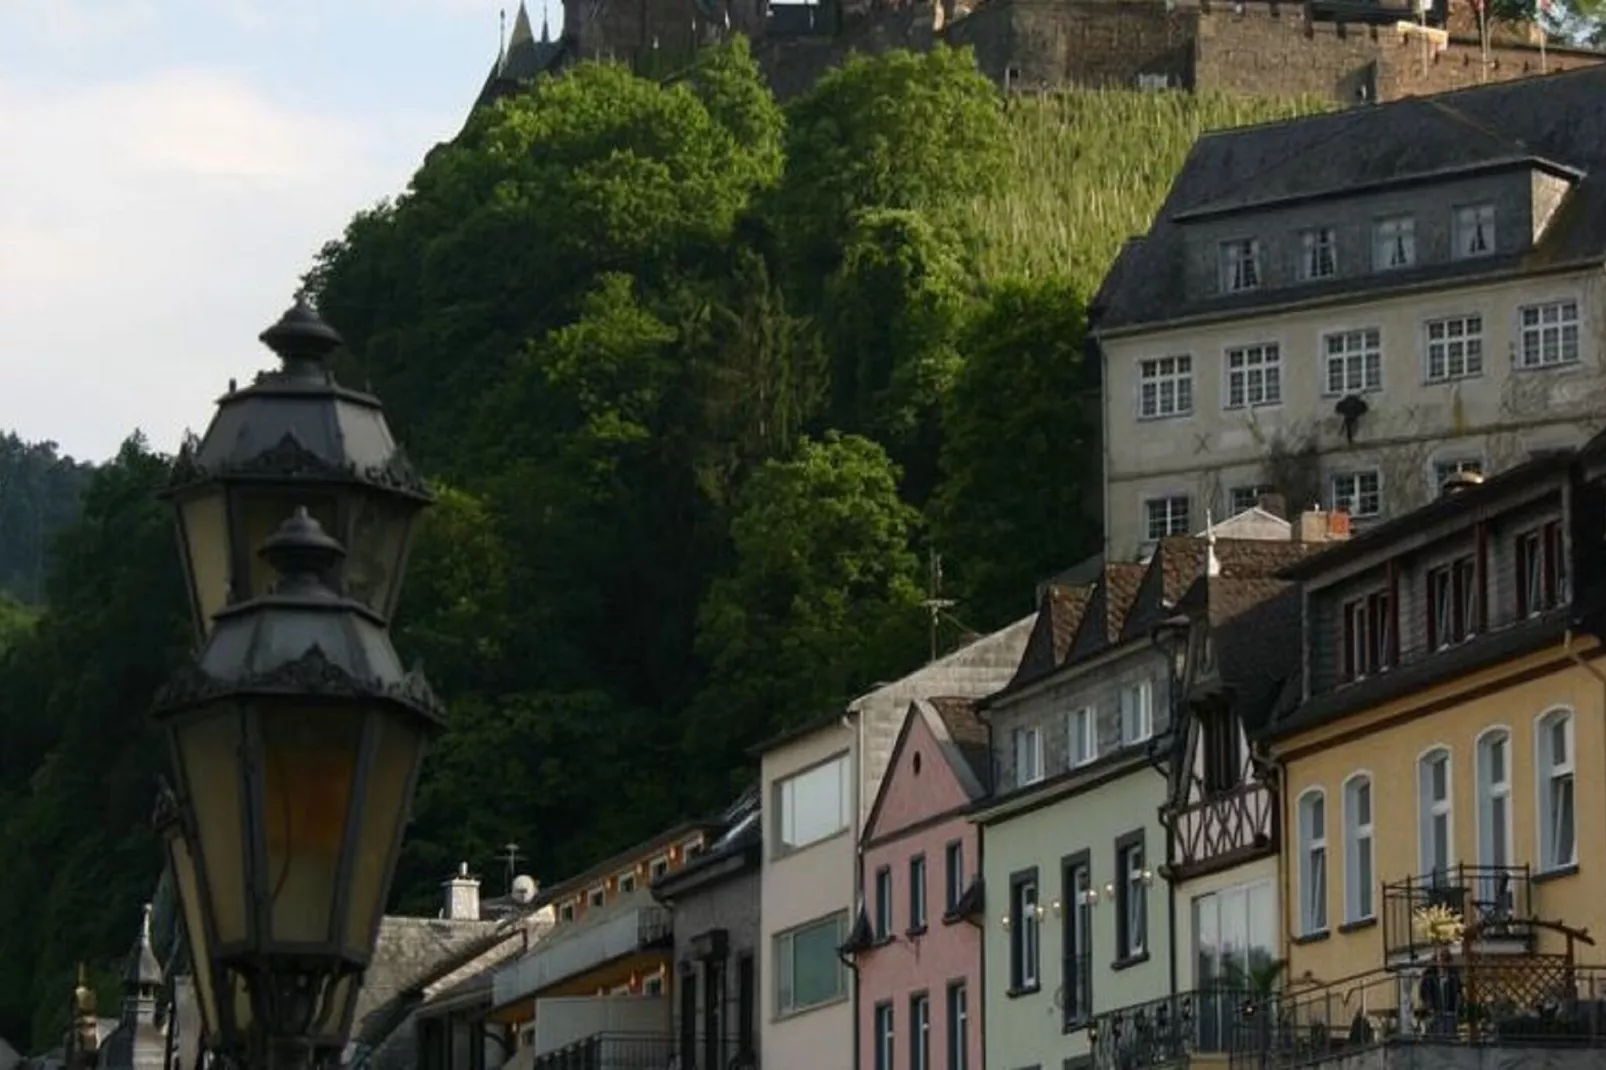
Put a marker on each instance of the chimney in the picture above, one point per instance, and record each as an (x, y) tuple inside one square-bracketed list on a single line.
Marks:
[(1316, 525), (1275, 504), (462, 896)]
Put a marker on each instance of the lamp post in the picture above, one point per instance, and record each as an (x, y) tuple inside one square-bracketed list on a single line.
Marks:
[(296, 736)]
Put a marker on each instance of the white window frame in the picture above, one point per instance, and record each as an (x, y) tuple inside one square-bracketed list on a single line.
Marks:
[(1171, 522), (1313, 859), (790, 835), (1137, 712), (1357, 496), (566, 911), (1175, 371), (597, 897), (1313, 242), (627, 882), (1247, 497), (1445, 467), (1356, 353), (1488, 791), (1360, 893), (958, 1025), (1239, 264), (1429, 808), (653, 986), (1081, 736), (1026, 935), (1394, 243), (920, 1031), (658, 867), (1551, 774), (1135, 900), (786, 965), (883, 923), (1473, 222), (1533, 330), (1447, 340), (1256, 364), (1028, 743)]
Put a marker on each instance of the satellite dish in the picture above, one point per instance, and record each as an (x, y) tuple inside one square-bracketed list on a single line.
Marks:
[(523, 888)]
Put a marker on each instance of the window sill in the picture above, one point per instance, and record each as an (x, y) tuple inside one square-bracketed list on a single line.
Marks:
[(1025, 990), (882, 940), (1357, 925), (798, 1012), (1555, 874), (1077, 1024), (785, 851), (914, 931), (1311, 938), (1130, 961)]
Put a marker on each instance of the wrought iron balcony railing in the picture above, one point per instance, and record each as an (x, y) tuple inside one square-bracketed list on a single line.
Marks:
[(1498, 899), (644, 1051), (1164, 1030)]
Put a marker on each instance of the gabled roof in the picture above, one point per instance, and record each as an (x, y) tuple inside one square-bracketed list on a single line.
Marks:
[(1553, 122), (521, 62), (1179, 560), (1255, 633), (961, 739), (1059, 614), (1106, 618)]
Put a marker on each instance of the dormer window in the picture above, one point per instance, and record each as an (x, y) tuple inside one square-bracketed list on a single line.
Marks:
[(1318, 254), (1368, 635), (1452, 603), (1223, 759), (1394, 243), (1240, 265), (1474, 230)]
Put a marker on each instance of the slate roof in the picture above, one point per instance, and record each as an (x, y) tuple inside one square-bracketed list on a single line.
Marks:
[(1554, 121), (1255, 626), (524, 59), (968, 733)]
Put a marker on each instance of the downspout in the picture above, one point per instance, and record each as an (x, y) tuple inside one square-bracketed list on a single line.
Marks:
[(857, 716)]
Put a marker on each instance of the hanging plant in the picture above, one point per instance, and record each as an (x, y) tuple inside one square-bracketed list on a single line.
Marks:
[(1438, 924)]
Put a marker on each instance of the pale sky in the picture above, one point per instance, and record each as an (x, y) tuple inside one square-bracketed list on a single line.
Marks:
[(168, 168)]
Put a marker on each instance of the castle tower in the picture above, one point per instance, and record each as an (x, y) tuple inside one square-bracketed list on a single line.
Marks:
[(138, 1042)]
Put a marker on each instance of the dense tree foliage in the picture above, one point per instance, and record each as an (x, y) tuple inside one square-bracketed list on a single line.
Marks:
[(701, 385), (39, 491)]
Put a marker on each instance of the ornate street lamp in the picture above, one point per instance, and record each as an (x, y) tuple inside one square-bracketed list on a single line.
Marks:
[(293, 438), (297, 738)]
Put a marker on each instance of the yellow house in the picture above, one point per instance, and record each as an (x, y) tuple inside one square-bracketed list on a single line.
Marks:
[(1443, 763)]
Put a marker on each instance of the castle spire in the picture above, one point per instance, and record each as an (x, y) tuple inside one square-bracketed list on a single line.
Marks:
[(546, 32), (1212, 562)]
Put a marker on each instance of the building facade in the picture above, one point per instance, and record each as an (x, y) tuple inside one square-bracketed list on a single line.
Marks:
[(1349, 308), (917, 952)]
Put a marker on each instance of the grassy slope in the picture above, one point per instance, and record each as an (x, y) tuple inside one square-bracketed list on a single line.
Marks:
[(1091, 169)]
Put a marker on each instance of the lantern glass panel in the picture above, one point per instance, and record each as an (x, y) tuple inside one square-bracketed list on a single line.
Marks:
[(209, 755), (189, 897), (309, 773), (396, 754), (204, 529), (262, 511), (376, 548)]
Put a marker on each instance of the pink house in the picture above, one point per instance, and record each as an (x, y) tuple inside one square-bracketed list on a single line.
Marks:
[(918, 943)]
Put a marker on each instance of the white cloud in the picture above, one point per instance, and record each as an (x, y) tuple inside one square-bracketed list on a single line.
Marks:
[(149, 229)]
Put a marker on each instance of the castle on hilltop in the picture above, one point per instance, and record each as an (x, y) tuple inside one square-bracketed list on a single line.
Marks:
[(1347, 51)]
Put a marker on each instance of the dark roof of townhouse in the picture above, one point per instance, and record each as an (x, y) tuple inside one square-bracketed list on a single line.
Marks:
[(1255, 631), (1179, 560), (521, 61), (1059, 614), (968, 733), (622, 860), (1553, 122), (1112, 606), (742, 835)]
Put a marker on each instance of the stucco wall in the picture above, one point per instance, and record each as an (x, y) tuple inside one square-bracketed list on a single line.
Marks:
[(1389, 755), (1500, 416), (1027, 1029), (732, 905)]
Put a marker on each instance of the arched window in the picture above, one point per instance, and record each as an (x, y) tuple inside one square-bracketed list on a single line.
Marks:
[(1553, 753), (1313, 861), (1494, 809), (1358, 894), (1435, 815)]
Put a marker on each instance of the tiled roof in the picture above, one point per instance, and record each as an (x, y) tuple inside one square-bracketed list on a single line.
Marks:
[(1179, 561), (968, 733), (1555, 121), (1123, 580), (1059, 614)]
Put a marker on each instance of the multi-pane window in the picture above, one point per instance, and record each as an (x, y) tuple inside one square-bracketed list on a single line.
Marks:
[(954, 877), (1137, 712), (1452, 603), (1081, 742), (1393, 243), (1028, 756), (1358, 894), (1540, 571), (1547, 334), (1240, 265), (1359, 493), (660, 865), (1312, 862), (1023, 934), (1165, 387), (1434, 813), (1241, 499), (1494, 808), (917, 893), (1254, 375), (1318, 254), (1131, 899), (920, 1032), (1443, 470), (958, 1027), (1368, 635), (808, 970), (1558, 837), (1354, 360), (1223, 751), (1474, 230), (885, 1055), (1166, 516), (1455, 348), (627, 883), (813, 806), (883, 903), (1078, 1001)]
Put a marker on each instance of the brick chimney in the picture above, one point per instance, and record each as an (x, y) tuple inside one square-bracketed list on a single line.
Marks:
[(462, 896), (1318, 525)]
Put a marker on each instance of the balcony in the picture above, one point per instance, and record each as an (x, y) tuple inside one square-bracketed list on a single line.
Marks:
[(1425, 1016), (576, 949), (1495, 901), (1163, 1031), (637, 1051)]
